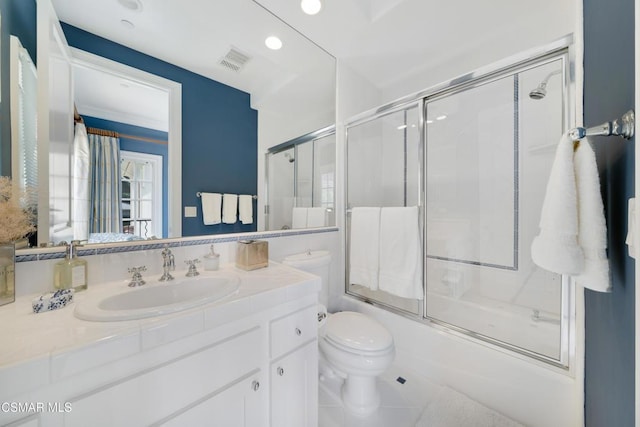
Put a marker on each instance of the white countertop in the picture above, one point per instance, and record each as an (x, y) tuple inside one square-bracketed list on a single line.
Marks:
[(38, 349)]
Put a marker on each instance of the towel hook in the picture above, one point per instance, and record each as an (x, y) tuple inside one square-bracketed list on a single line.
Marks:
[(624, 127)]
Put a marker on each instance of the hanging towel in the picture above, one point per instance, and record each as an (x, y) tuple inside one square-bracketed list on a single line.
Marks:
[(245, 203), (400, 252), (299, 218), (211, 208), (592, 227), (556, 248), (364, 247), (229, 208), (316, 217)]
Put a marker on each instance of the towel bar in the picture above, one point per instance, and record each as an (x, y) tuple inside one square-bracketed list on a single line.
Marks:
[(199, 194), (623, 127)]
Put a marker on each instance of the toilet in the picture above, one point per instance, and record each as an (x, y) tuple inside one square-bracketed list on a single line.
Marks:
[(355, 347)]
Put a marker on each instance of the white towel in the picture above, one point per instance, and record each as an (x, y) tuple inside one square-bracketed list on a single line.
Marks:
[(400, 252), (245, 203), (364, 247), (316, 217), (211, 208), (556, 248), (592, 227), (299, 218), (229, 208)]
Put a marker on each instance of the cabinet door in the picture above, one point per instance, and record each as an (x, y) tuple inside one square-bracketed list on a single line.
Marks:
[(241, 405), (294, 388)]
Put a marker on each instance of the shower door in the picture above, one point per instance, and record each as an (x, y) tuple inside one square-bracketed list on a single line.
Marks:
[(489, 150)]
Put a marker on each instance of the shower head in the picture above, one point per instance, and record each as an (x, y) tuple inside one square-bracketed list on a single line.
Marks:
[(289, 157), (541, 91)]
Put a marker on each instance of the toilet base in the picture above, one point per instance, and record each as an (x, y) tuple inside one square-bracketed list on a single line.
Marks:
[(360, 395)]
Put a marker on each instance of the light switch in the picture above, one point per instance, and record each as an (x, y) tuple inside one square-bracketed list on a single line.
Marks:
[(190, 212)]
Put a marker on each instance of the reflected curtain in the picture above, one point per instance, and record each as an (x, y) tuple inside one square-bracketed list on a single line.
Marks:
[(105, 212), (81, 183)]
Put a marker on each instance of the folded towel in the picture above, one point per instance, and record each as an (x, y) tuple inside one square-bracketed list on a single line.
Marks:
[(81, 184), (592, 227), (52, 301), (316, 217), (364, 244), (556, 248), (400, 252), (245, 203), (299, 218), (211, 208), (229, 208)]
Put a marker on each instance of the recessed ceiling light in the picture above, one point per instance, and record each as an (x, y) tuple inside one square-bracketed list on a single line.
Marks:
[(402, 127), (127, 24), (135, 5), (442, 117), (429, 121), (311, 7), (273, 42)]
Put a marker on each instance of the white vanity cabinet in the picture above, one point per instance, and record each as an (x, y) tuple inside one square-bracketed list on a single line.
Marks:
[(294, 369), (250, 361)]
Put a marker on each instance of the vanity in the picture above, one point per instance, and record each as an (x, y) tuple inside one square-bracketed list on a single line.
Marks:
[(247, 358)]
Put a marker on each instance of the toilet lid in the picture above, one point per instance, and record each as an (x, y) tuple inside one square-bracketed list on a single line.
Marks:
[(357, 331)]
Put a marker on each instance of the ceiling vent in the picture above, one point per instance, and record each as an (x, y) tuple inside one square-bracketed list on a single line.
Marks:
[(234, 60)]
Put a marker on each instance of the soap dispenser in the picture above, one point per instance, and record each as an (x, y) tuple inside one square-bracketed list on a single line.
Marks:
[(71, 272), (211, 260)]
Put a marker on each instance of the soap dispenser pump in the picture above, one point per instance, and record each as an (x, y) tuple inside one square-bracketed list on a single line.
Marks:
[(71, 272), (212, 260)]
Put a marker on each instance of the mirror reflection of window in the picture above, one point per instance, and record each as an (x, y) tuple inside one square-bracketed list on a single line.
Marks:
[(24, 86), (141, 180)]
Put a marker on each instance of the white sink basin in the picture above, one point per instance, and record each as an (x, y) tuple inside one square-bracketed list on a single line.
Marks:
[(157, 299)]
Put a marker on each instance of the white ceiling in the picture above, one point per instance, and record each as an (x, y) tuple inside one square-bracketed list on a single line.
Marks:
[(385, 41)]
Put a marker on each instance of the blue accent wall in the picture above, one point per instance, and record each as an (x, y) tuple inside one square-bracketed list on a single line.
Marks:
[(19, 19), (138, 146), (219, 130), (610, 332)]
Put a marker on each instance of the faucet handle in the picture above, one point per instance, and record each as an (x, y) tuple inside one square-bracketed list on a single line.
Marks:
[(136, 279), (192, 267)]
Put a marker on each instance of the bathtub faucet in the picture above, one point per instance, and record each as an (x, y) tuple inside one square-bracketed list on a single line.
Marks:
[(168, 264)]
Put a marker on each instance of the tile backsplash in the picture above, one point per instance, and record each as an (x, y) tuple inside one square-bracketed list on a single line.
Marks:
[(109, 262)]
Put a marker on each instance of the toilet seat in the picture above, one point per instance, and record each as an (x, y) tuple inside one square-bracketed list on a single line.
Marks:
[(357, 333)]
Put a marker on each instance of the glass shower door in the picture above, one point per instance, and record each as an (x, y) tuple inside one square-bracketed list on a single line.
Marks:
[(489, 149)]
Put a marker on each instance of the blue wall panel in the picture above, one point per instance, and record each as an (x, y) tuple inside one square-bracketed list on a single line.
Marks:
[(609, 318)]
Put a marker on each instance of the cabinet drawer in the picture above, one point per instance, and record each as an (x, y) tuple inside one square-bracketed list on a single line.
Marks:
[(293, 330)]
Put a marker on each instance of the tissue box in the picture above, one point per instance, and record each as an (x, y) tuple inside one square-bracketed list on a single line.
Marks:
[(252, 254)]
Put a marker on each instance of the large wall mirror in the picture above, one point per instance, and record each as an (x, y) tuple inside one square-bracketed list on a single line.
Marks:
[(193, 96)]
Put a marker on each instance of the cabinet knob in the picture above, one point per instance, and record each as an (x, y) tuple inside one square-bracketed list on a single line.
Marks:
[(255, 385), (298, 332), (280, 371)]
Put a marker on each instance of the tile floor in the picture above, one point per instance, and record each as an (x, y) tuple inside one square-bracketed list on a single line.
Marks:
[(401, 404)]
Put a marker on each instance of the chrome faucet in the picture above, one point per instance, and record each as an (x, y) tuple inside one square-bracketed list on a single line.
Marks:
[(136, 279), (192, 267), (168, 264)]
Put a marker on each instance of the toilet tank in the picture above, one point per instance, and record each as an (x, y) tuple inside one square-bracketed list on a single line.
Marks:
[(314, 262)]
